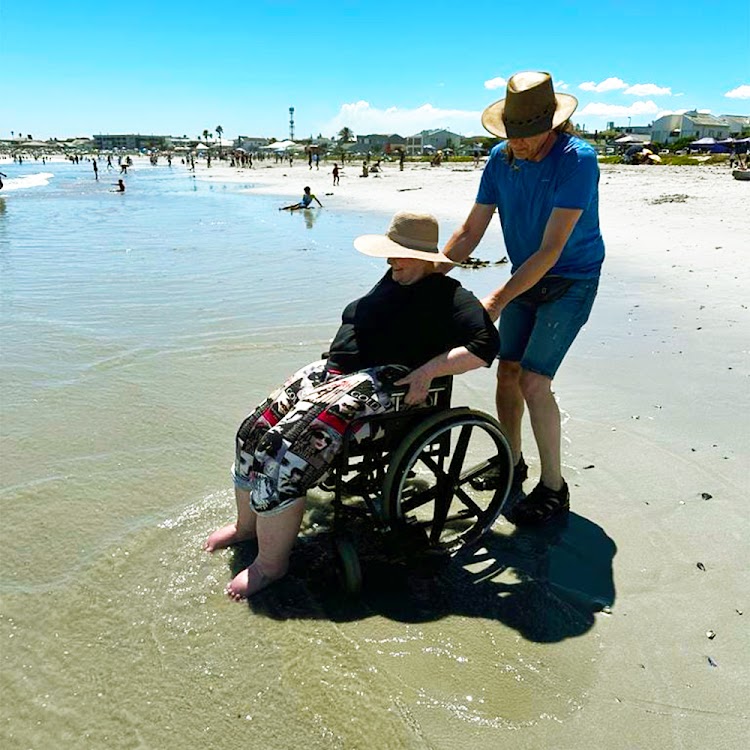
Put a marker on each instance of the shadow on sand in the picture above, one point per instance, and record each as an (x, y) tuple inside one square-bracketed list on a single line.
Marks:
[(547, 584)]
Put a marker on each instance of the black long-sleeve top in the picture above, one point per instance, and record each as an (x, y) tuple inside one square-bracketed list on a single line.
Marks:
[(410, 324)]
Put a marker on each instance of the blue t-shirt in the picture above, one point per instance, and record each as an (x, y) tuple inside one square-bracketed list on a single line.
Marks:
[(525, 192)]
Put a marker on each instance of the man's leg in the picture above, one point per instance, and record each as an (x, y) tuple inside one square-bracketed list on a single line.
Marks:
[(276, 536), (545, 422), (509, 402)]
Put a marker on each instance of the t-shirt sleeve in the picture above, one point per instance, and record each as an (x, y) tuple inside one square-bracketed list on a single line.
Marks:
[(473, 327), (487, 193), (578, 180)]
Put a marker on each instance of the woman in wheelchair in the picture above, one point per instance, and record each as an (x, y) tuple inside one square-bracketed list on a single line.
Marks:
[(416, 324)]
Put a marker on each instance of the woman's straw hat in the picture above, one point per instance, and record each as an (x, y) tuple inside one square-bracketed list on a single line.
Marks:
[(530, 107), (410, 235)]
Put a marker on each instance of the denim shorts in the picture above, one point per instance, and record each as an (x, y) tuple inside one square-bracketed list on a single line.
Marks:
[(539, 334)]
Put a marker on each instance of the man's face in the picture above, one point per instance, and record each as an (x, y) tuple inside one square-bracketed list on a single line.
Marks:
[(528, 148)]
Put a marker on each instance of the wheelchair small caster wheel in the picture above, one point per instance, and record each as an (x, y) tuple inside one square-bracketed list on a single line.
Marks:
[(349, 571)]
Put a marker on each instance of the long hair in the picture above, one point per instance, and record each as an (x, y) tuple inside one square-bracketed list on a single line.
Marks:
[(563, 127)]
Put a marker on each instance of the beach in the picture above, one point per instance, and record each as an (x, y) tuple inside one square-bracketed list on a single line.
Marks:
[(625, 629)]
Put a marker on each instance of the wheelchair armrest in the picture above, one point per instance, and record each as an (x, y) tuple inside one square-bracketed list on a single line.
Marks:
[(439, 393)]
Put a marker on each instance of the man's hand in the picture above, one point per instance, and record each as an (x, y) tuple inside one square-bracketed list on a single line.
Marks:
[(493, 306), (419, 386)]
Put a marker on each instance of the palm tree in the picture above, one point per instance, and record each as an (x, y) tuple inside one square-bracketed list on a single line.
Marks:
[(206, 134), (219, 133), (345, 136)]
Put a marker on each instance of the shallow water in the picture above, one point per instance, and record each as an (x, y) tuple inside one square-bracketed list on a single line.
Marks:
[(137, 330)]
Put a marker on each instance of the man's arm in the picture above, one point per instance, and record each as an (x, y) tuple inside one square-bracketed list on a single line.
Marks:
[(559, 227), (465, 239)]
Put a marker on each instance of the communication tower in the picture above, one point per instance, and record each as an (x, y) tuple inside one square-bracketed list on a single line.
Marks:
[(291, 123)]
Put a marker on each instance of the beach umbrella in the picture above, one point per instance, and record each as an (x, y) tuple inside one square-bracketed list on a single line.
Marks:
[(200, 147)]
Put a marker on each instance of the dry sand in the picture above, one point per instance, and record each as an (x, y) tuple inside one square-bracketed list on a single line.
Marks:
[(656, 397)]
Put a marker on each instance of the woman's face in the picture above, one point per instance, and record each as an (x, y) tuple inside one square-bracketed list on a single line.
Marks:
[(407, 271), (319, 440)]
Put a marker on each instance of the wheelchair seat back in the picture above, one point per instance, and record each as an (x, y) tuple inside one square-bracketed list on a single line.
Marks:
[(387, 430)]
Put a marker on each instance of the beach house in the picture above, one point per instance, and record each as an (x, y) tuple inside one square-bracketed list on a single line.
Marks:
[(431, 140), (691, 124)]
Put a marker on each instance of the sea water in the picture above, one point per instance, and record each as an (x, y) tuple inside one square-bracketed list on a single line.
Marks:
[(137, 330)]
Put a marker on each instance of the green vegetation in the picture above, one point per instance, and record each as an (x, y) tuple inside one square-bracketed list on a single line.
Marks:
[(676, 159)]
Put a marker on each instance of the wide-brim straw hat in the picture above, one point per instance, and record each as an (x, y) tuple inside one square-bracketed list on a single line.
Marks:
[(530, 107), (410, 235)]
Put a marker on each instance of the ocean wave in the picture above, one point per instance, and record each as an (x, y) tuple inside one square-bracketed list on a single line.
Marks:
[(40, 179)]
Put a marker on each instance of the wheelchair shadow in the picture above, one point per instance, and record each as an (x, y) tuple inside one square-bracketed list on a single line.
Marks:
[(547, 584)]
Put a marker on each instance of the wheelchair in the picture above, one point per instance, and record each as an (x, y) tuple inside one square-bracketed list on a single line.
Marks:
[(413, 477)]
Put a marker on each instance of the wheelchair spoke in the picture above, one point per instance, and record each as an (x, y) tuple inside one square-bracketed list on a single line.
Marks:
[(442, 505), (469, 503), (419, 499), (459, 455)]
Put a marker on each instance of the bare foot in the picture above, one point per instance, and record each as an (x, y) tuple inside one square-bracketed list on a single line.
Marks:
[(225, 537), (248, 582)]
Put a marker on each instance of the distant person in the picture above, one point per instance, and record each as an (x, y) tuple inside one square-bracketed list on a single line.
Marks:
[(119, 187), (291, 160), (1, 179), (317, 160), (335, 174), (123, 167), (305, 202), (109, 162), (401, 158), (365, 171), (96, 169), (309, 159), (476, 158)]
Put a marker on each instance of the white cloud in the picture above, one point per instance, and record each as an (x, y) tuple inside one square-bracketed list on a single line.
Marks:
[(495, 83), (610, 84), (741, 92), (648, 89), (598, 109), (362, 118), (561, 86)]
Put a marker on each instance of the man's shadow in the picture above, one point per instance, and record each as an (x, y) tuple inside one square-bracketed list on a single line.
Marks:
[(547, 584)]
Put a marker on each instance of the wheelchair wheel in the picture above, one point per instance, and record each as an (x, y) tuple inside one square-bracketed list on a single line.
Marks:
[(428, 480), (347, 566)]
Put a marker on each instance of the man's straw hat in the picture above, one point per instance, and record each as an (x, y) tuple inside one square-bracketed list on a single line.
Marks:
[(530, 107), (410, 235)]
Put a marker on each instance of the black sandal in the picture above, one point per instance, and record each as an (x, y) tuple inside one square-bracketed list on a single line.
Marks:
[(541, 505)]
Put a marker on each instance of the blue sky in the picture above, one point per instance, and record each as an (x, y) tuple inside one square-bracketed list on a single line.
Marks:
[(176, 68)]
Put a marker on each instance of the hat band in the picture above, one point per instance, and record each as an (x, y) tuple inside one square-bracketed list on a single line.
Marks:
[(532, 126), (410, 243)]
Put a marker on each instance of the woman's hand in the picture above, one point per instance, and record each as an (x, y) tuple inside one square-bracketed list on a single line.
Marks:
[(419, 386)]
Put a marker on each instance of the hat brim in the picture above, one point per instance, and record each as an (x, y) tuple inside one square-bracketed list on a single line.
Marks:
[(492, 117), (380, 246)]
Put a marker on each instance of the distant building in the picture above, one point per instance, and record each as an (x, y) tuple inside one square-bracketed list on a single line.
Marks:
[(131, 142), (428, 140), (690, 124), (250, 143), (379, 142), (738, 124)]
